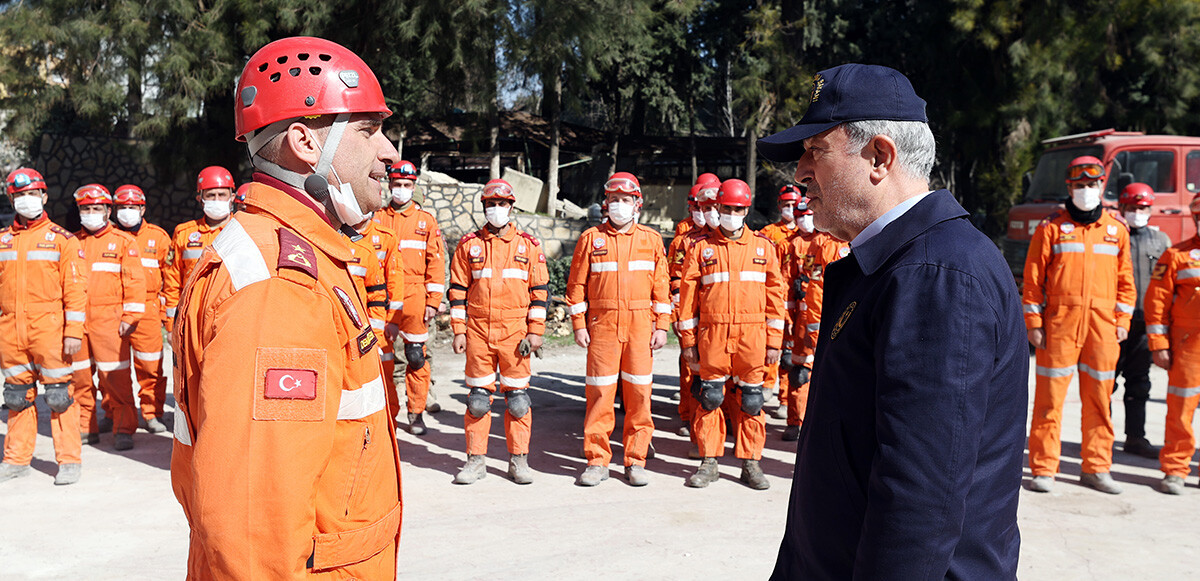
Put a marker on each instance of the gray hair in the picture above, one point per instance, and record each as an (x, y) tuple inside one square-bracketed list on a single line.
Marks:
[(914, 140)]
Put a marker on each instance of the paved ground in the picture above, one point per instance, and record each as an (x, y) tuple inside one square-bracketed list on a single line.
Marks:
[(122, 522)]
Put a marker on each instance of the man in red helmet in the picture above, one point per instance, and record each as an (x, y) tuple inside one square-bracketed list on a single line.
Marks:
[(116, 303), (146, 342), (1146, 244), (498, 292), (619, 302), (1078, 298), (421, 251), (695, 219), (42, 302), (778, 232), (214, 191), (285, 459), (731, 304)]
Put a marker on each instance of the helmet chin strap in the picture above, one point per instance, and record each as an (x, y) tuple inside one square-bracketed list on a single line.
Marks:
[(287, 176)]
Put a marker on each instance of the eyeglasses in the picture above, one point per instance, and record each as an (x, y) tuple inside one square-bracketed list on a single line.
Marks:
[(622, 185), (497, 190), (1089, 171)]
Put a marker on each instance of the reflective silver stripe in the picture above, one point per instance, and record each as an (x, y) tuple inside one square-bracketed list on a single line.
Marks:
[(752, 276), (789, 304), (357, 270), (514, 273), (812, 327), (387, 356), (600, 379), (8, 255), (775, 323), (803, 306), (106, 267), (481, 273), (112, 365), (395, 305), (809, 359), (688, 324), (134, 307), (604, 267), (181, 430), (714, 277), (51, 255), (457, 313), (480, 381), (171, 311), (1055, 371), (1156, 329), (193, 253), (641, 265), (662, 308), (150, 262), (537, 313), (242, 259), (1097, 374), (1035, 309), (1062, 247), (381, 254), (81, 365), (76, 316), (18, 369), (146, 355), (1183, 391), (717, 378), (577, 309), (56, 371), (514, 381), (415, 337), (1109, 249), (1188, 273), (433, 287), (637, 379), (1124, 308), (362, 402), (413, 244), (375, 323)]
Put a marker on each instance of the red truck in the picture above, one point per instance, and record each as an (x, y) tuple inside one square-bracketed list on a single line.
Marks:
[(1169, 164)]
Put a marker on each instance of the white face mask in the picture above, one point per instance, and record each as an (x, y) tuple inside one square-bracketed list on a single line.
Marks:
[(1137, 219), (787, 214), (92, 222), (129, 217), (712, 218), (732, 223), (620, 213), (1086, 199), (806, 223), (216, 209), (698, 218), (497, 216), (29, 206), (402, 195)]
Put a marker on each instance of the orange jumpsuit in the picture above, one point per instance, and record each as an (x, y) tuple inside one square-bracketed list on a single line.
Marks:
[(285, 460), (146, 342), (618, 290), (116, 293), (377, 267), (779, 233), (421, 250), (1173, 322), (675, 255), (1079, 289), (189, 240), (821, 250), (731, 303), (499, 289), (684, 227), (42, 286)]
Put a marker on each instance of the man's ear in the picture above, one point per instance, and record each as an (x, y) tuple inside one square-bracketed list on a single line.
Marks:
[(301, 143), (883, 154)]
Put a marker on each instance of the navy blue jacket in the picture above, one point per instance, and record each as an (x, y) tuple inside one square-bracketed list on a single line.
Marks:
[(909, 462)]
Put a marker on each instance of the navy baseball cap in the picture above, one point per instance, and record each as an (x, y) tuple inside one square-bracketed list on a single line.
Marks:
[(850, 92)]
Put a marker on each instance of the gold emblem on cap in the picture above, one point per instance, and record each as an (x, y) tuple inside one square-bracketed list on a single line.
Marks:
[(818, 84)]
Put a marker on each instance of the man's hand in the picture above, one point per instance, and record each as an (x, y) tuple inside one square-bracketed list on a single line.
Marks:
[(1162, 358), (460, 343), (772, 356), (529, 344), (658, 339), (430, 313), (126, 329), (1037, 338), (391, 331), (1122, 334), (582, 338), (691, 354), (71, 346)]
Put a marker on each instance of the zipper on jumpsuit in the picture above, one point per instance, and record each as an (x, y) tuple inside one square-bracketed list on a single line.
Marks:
[(358, 467)]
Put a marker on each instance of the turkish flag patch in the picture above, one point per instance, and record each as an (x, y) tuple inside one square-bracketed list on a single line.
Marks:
[(290, 384)]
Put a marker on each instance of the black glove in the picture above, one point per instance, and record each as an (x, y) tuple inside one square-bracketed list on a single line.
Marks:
[(798, 375), (785, 360)]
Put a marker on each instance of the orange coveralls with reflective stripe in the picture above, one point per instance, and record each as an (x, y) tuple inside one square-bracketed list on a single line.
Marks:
[(618, 290), (189, 240), (377, 267), (499, 289), (285, 460), (820, 252), (1173, 322), (146, 342), (675, 256), (421, 252), (684, 227), (731, 304), (778, 233), (42, 301), (116, 294), (1079, 289)]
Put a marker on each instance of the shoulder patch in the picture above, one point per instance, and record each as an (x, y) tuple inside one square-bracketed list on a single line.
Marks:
[(764, 237), (61, 230), (296, 253), (531, 238), (469, 236)]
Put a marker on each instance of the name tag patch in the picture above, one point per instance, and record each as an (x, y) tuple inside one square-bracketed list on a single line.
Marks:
[(366, 340), (290, 384), (760, 261), (521, 259)]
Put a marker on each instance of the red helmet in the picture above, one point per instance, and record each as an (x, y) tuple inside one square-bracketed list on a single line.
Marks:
[(1137, 194), (789, 193), (240, 196), (694, 193), (802, 208), (623, 182), (303, 76), (92, 194), (24, 179), (404, 170), (498, 189), (130, 194), (1085, 168), (705, 178), (214, 176), (734, 192)]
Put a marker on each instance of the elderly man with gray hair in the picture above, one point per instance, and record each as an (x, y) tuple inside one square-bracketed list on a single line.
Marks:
[(909, 462)]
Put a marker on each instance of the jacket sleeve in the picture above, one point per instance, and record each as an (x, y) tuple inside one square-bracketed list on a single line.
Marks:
[(172, 284), (689, 299), (660, 293), (577, 283), (377, 294), (674, 270), (393, 269), (1126, 291), (74, 288), (539, 291), (814, 296), (435, 267), (133, 284), (776, 292), (1160, 295), (1037, 262), (460, 279)]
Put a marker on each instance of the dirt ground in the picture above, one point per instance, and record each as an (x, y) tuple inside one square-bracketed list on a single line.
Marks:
[(121, 520)]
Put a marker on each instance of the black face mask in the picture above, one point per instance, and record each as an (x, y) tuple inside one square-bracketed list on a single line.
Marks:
[(1084, 217)]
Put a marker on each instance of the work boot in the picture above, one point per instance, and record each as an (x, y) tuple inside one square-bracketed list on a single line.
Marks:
[(416, 424), (592, 475), (123, 442), (705, 475), (151, 425), (753, 476), (89, 438), (684, 430), (780, 412), (694, 452), (9, 471), (67, 474), (474, 469), (791, 433), (105, 425), (432, 406), (518, 469), (1102, 481), (1042, 483), (1171, 485), (1140, 447), (636, 475)]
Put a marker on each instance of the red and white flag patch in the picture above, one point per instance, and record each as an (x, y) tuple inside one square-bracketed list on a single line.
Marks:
[(290, 384)]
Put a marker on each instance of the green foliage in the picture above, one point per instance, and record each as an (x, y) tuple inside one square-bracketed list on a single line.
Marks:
[(559, 269)]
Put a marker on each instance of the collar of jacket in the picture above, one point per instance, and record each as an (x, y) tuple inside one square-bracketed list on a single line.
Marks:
[(607, 228), (287, 208), (31, 224), (937, 207), (507, 236), (84, 233)]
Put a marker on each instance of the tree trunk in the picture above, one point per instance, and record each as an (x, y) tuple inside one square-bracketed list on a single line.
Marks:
[(751, 157), (400, 144), (494, 170), (692, 136), (553, 89)]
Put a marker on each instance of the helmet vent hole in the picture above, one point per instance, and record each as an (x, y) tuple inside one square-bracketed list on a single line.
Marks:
[(325, 57), (294, 71), (314, 71), (262, 67), (302, 56), (282, 59), (274, 77)]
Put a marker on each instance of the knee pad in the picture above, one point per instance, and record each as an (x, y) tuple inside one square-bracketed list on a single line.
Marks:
[(415, 353), (14, 396), (58, 397), (518, 402), (479, 402), (798, 375), (752, 399), (710, 394)]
